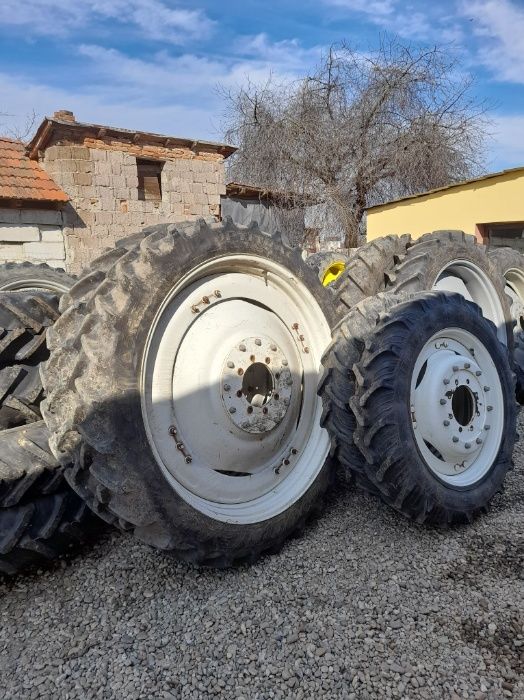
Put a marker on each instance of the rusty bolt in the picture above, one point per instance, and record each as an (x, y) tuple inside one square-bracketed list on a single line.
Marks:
[(252, 358), (306, 349), (217, 293), (240, 371), (295, 326), (268, 360), (205, 300)]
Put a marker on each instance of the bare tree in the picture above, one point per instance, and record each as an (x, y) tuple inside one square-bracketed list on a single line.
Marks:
[(363, 128), (22, 131)]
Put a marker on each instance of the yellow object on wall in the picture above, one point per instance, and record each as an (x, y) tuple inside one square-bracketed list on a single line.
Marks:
[(467, 206)]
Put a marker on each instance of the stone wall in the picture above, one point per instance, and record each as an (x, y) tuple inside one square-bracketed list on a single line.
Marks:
[(101, 180), (33, 235)]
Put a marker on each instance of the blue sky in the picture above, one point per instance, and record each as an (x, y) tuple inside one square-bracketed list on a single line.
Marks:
[(155, 64)]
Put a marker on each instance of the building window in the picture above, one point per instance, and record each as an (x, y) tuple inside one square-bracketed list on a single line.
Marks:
[(149, 179)]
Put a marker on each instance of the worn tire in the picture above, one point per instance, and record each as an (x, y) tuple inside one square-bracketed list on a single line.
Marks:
[(328, 265), (24, 320), (511, 266), (382, 407), (337, 385), (368, 271), (428, 255), (113, 467), (41, 518), (26, 275)]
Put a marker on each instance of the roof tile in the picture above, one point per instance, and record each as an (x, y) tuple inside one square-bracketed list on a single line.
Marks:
[(22, 178)]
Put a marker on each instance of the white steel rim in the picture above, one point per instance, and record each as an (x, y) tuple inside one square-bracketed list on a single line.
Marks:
[(457, 407), (230, 463), (34, 283), (514, 288), (469, 280)]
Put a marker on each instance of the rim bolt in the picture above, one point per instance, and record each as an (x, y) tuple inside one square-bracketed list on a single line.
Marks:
[(486, 388), (478, 373), (232, 409), (456, 368), (467, 445), (446, 422), (487, 427), (242, 347), (455, 438), (489, 408), (442, 402), (466, 365), (479, 441), (273, 347), (240, 371), (289, 382), (227, 387), (258, 341), (285, 362), (446, 381), (230, 364)]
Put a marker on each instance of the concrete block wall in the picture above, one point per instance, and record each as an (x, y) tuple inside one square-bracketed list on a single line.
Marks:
[(33, 235), (101, 180)]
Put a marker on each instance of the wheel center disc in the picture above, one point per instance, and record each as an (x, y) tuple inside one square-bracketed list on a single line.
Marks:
[(256, 385)]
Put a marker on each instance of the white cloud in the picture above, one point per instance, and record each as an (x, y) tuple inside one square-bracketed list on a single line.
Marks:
[(500, 26), (392, 15), (154, 19)]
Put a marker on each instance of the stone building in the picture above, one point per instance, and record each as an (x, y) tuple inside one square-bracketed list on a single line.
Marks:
[(31, 207), (108, 183)]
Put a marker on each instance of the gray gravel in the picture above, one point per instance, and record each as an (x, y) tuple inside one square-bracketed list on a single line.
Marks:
[(365, 605)]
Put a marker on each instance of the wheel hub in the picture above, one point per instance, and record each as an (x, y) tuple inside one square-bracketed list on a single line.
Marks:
[(256, 385)]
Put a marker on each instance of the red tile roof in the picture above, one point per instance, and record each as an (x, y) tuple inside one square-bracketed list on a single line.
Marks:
[(24, 179)]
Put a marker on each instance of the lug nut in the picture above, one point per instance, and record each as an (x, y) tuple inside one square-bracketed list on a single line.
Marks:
[(487, 427), (442, 402), (242, 347), (240, 371), (455, 438), (258, 341), (467, 445), (230, 364), (478, 373), (446, 381), (486, 388), (227, 387), (285, 362), (489, 408), (456, 368), (479, 441), (268, 360), (446, 422), (466, 365), (232, 409), (273, 347)]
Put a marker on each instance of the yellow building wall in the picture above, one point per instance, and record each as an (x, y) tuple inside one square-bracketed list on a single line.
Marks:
[(496, 199)]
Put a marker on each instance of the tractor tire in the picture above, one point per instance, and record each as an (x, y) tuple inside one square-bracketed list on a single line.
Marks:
[(453, 261), (368, 271), (337, 385), (328, 265), (26, 275), (435, 410), (41, 518), (24, 320), (511, 266), (165, 481)]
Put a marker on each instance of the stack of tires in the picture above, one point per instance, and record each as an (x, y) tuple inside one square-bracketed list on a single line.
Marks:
[(203, 386), (41, 518)]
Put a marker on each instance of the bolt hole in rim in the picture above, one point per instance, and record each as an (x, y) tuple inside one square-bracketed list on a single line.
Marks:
[(469, 280), (190, 378), (457, 407)]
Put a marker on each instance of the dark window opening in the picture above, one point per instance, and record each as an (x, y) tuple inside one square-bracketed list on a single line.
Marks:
[(149, 179), (506, 234)]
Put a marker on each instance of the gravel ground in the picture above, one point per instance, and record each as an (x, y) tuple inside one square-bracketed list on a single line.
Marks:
[(365, 605)]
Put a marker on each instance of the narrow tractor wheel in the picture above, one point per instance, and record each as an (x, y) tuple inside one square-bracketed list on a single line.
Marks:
[(453, 261), (26, 275), (195, 423), (511, 266), (328, 265), (435, 409), (24, 320)]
